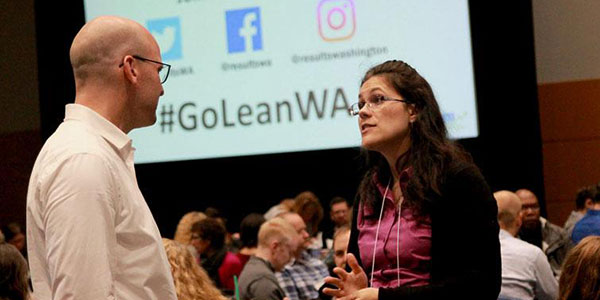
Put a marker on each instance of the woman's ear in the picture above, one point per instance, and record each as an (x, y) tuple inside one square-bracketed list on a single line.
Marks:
[(412, 113)]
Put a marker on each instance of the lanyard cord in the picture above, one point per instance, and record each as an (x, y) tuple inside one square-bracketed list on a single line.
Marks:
[(397, 236)]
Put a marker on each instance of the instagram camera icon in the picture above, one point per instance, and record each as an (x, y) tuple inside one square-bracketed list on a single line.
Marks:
[(336, 19)]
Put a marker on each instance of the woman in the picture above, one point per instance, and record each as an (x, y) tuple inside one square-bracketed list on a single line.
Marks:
[(183, 233), (208, 237), (15, 236), (191, 282), (580, 276), (445, 243), (308, 206)]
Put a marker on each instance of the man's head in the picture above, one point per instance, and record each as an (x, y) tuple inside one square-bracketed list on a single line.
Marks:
[(339, 211), (509, 211), (585, 198), (277, 242), (114, 76), (340, 245), (299, 226), (530, 208)]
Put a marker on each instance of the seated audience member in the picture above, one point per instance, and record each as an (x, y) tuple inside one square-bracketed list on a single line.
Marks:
[(282, 207), (249, 236), (580, 278), (337, 255), (15, 236), (208, 237), (13, 274), (307, 205), (339, 213), (183, 233), (277, 241), (340, 246), (191, 282), (589, 224), (302, 278), (538, 231), (583, 201), (526, 273)]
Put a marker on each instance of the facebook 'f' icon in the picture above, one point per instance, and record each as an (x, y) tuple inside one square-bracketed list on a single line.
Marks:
[(244, 32)]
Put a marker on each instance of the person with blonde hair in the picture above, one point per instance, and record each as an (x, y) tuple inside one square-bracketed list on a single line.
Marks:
[(580, 277), (183, 233), (277, 241), (191, 282), (307, 205)]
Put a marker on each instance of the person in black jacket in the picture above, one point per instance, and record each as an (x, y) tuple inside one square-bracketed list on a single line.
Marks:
[(424, 222)]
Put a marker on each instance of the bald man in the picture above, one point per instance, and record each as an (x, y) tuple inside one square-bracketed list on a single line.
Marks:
[(302, 278), (538, 231), (526, 273), (277, 242), (90, 232)]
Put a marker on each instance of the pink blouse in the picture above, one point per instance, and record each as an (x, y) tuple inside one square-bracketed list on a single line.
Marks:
[(414, 244)]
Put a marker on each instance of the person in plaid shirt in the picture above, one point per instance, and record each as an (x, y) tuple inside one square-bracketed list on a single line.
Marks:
[(302, 278)]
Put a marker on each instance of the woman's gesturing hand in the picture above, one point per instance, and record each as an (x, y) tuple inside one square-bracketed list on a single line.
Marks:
[(348, 283)]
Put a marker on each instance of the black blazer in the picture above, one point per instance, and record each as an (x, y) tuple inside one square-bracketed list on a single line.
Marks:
[(465, 249)]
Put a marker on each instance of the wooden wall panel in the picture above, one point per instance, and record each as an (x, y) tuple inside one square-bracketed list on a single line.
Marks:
[(570, 127)]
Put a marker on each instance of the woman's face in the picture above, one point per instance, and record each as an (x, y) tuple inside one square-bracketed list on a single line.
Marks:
[(383, 126), (199, 243)]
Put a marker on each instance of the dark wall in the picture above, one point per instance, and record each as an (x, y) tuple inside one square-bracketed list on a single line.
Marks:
[(508, 150)]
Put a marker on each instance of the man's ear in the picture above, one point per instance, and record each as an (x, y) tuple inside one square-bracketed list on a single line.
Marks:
[(129, 69), (519, 220), (274, 245), (588, 203)]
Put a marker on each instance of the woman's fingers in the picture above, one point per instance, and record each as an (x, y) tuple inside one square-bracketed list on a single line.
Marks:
[(334, 281), (333, 292), (341, 273), (353, 263)]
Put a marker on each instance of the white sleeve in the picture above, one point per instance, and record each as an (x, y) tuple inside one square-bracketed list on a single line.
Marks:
[(79, 230), (546, 285)]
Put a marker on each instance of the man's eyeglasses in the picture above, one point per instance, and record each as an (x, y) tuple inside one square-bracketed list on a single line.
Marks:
[(373, 103), (163, 73)]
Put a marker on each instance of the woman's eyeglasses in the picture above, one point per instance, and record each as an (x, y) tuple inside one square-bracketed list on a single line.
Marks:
[(372, 103)]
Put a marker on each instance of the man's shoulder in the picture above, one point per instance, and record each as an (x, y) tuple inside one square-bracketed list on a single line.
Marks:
[(255, 268), (69, 140), (587, 223), (522, 248)]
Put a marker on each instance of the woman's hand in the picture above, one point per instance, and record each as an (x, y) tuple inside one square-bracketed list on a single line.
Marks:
[(349, 284), (364, 294)]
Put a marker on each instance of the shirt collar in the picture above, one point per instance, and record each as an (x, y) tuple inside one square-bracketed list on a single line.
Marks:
[(505, 234), (111, 133), (403, 177), (266, 262), (593, 212)]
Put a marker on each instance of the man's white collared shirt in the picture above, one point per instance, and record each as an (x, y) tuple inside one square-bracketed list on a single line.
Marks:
[(90, 232), (526, 273)]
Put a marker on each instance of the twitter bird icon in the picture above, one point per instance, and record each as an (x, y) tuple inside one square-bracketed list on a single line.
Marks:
[(167, 33)]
